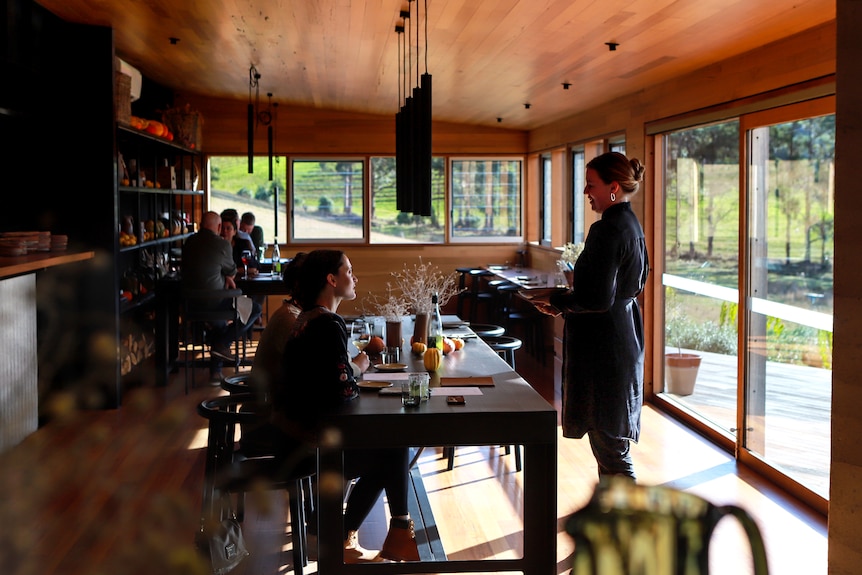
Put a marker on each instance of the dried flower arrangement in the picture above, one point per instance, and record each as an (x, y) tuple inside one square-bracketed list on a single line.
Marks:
[(570, 255), (422, 281), (392, 306)]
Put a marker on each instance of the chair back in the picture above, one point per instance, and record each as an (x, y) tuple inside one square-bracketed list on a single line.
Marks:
[(230, 465), (202, 305), (628, 528)]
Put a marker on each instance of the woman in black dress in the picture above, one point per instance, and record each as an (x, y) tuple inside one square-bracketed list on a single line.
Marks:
[(603, 340)]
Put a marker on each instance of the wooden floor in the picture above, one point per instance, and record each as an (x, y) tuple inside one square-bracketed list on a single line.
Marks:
[(119, 491)]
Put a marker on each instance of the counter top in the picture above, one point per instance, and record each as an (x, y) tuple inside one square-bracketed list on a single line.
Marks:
[(15, 266)]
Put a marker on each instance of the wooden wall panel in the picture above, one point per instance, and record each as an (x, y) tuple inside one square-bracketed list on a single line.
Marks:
[(314, 131), (373, 265), (845, 546)]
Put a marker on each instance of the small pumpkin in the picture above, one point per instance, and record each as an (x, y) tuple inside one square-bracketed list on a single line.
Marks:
[(459, 343), (432, 358), (419, 347), (375, 345), (448, 346)]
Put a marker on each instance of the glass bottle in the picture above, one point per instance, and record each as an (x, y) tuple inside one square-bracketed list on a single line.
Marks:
[(435, 325), (276, 258)]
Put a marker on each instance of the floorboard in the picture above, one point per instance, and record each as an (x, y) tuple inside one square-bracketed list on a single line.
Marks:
[(119, 491)]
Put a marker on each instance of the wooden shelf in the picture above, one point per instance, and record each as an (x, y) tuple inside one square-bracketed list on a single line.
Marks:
[(15, 266)]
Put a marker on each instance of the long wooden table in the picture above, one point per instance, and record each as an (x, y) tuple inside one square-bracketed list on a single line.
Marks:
[(509, 412)]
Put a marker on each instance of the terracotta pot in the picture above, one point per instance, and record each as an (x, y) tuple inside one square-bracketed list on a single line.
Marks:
[(681, 372)]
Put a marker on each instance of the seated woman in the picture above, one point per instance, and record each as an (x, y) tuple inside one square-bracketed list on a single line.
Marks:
[(239, 245), (321, 378)]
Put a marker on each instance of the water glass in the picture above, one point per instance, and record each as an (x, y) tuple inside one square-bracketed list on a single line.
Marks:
[(421, 380), (410, 393), (392, 354)]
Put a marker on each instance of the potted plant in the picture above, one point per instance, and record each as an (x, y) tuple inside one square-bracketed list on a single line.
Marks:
[(680, 369), (681, 372)]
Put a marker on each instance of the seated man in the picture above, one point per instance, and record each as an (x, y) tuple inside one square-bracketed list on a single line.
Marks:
[(208, 264), (247, 225)]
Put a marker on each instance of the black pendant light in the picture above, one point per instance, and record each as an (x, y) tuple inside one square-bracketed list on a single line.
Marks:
[(413, 127)]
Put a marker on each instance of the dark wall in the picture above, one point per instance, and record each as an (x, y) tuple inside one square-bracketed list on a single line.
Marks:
[(58, 173)]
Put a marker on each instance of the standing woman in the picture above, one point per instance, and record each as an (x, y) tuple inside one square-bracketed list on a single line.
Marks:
[(603, 340), (318, 377)]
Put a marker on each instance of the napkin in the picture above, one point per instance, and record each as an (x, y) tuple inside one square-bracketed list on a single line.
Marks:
[(243, 308)]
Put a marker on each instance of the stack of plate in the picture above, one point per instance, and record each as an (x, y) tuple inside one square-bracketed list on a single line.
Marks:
[(12, 247), (59, 242), (23, 243), (44, 243)]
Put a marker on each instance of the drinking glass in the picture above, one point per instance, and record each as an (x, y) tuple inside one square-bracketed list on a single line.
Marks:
[(360, 334), (411, 395), (246, 257)]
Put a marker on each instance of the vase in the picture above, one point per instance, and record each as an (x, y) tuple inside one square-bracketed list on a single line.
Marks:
[(420, 328), (393, 333)]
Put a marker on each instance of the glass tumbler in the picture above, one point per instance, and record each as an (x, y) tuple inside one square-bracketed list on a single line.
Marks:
[(420, 380), (410, 393)]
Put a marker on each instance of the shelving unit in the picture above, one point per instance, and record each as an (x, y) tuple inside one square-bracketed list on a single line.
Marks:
[(156, 190)]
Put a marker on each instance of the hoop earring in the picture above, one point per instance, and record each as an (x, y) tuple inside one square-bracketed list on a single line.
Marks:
[(613, 197)]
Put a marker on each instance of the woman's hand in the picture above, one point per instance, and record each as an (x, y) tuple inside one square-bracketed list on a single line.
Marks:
[(545, 307), (362, 361)]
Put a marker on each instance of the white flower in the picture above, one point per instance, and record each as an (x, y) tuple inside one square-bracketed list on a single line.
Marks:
[(571, 252)]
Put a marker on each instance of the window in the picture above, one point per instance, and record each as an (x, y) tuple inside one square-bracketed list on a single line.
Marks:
[(772, 170), (578, 185), (327, 199), (486, 200), (390, 226), (231, 186), (546, 210)]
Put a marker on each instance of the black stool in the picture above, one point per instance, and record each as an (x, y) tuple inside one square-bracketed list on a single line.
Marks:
[(463, 289), (487, 330), (475, 293), (514, 312), (200, 311), (505, 346), (228, 470)]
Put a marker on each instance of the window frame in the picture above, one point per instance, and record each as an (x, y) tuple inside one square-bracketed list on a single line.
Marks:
[(452, 238)]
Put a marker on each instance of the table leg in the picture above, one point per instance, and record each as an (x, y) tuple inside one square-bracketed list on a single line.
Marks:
[(540, 508)]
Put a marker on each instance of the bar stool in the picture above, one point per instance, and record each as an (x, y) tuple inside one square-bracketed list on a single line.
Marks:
[(200, 312), (505, 346), (514, 313), (463, 291), (487, 330), (228, 470), (244, 383)]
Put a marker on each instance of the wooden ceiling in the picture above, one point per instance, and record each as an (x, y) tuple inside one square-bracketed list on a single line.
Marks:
[(488, 58)]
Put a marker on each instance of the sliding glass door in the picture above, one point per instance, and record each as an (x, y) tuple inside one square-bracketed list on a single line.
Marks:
[(788, 322), (748, 246)]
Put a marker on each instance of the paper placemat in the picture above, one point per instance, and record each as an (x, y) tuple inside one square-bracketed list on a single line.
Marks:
[(380, 376), (456, 391), (484, 380)]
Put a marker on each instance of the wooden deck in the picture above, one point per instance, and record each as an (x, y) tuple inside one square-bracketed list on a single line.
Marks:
[(798, 415)]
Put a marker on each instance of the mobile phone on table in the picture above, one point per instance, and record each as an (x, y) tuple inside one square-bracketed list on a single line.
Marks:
[(455, 400)]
